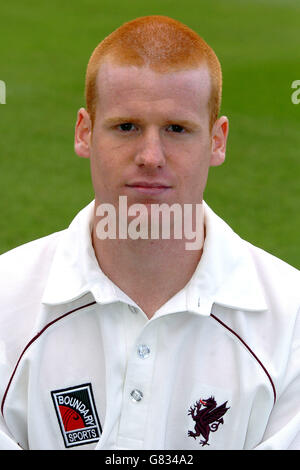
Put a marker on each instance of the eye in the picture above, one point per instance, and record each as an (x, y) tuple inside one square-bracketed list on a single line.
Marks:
[(126, 126), (176, 128)]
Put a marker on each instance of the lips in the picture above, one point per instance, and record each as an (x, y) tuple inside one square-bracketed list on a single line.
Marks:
[(149, 187), (148, 184)]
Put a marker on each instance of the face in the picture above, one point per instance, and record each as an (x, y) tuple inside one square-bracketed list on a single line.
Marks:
[(151, 139)]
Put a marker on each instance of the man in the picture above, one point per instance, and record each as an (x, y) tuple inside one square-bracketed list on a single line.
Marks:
[(119, 342)]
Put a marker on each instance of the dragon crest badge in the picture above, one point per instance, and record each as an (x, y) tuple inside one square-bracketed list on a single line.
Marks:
[(208, 417)]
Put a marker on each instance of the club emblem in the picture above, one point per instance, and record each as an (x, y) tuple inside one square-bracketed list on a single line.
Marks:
[(77, 415), (208, 417)]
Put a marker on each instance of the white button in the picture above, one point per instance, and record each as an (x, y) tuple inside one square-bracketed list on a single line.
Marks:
[(136, 395), (133, 309), (143, 351)]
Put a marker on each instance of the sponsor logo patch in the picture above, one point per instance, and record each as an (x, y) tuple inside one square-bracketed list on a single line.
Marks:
[(77, 415)]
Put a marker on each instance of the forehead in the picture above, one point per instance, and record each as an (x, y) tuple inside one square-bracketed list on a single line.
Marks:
[(131, 87)]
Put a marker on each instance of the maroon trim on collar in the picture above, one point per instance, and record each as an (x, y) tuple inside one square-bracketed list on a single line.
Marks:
[(32, 341), (251, 352)]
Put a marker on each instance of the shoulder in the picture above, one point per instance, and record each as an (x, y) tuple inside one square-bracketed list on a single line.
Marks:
[(24, 269), (23, 275), (278, 278), (31, 248), (28, 254)]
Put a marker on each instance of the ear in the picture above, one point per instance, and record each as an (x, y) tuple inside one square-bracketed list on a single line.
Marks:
[(219, 136), (83, 133)]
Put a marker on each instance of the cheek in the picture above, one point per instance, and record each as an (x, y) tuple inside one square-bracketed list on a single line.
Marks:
[(106, 173), (193, 173), (194, 163), (101, 156)]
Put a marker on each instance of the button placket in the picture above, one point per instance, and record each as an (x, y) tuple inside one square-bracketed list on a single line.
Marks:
[(143, 351), (137, 386), (133, 309), (136, 395)]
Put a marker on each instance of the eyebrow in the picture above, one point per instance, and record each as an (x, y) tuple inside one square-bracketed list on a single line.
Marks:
[(114, 121)]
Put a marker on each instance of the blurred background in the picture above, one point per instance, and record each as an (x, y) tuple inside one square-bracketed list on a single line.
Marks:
[(44, 50)]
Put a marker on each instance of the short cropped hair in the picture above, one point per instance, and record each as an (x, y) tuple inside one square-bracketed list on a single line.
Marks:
[(162, 43)]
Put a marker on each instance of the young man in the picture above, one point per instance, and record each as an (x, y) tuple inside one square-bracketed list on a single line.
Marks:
[(112, 341)]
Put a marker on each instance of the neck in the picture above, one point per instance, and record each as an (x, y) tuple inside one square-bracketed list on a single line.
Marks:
[(140, 267)]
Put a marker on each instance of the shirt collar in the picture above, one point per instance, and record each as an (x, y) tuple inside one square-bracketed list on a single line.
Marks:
[(75, 271), (226, 274)]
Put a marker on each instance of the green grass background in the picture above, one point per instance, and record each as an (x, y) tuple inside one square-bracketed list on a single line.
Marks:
[(44, 49)]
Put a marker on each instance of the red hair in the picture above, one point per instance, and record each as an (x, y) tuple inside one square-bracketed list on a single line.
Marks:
[(163, 44)]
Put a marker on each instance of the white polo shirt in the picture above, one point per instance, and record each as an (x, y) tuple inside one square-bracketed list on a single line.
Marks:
[(81, 366)]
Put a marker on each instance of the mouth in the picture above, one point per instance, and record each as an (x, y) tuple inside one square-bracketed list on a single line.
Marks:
[(148, 188)]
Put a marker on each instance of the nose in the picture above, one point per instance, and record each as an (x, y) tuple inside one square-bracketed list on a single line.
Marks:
[(151, 152)]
